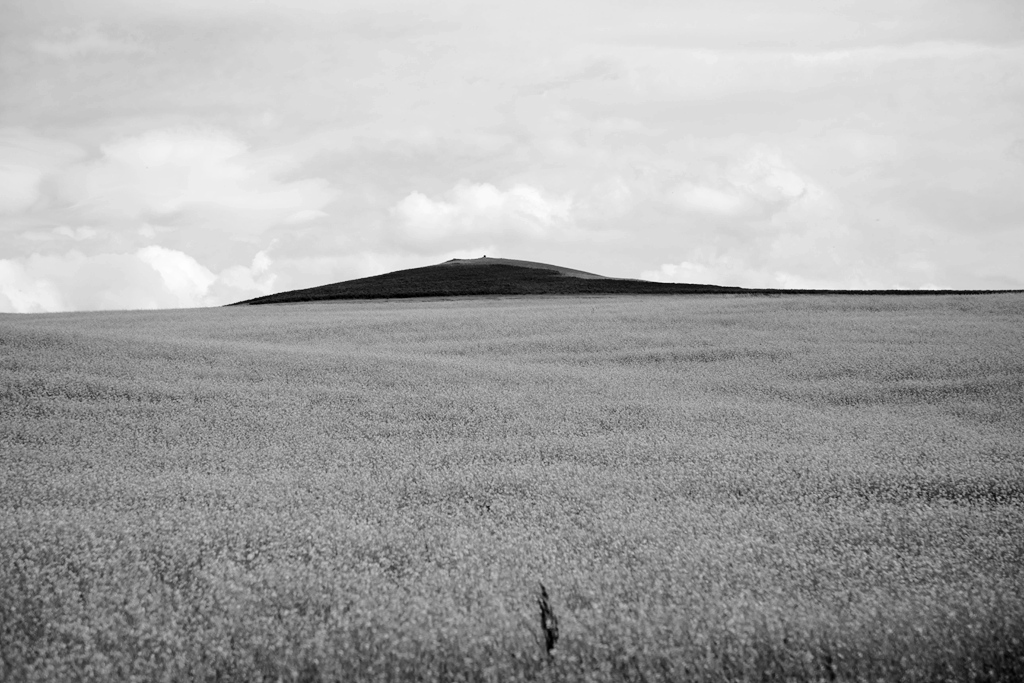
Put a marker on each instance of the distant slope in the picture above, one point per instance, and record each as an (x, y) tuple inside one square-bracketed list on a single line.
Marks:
[(482, 277)]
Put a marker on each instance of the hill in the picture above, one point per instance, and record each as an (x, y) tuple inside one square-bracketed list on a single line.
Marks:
[(510, 277), (482, 277)]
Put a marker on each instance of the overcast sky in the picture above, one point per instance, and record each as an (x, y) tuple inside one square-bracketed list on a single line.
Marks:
[(172, 153)]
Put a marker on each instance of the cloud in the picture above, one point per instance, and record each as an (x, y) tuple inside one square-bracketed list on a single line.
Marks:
[(810, 240), (757, 185), (655, 72), (305, 216), (738, 268), (151, 277), (755, 220), (707, 268), (86, 39), (241, 282), (711, 200), (22, 291), (626, 140), (183, 276), (911, 51), (607, 199), (81, 233), (18, 187), (74, 281), (481, 211), (26, 160), (193, 178)]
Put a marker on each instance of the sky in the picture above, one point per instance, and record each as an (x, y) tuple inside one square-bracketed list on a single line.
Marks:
[(165, 154)]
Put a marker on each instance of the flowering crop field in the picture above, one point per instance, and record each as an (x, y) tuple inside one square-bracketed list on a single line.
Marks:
[(812, 488)]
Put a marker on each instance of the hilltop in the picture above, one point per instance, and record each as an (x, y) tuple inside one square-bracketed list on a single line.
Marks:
[(482, 277)]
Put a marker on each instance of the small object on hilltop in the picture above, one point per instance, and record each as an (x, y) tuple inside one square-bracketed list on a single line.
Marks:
[(548, 621)]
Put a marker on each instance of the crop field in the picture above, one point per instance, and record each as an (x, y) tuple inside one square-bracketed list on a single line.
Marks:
[(710, 488)]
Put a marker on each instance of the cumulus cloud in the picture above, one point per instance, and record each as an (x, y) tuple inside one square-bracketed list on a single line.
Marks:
[(756, 185), (481, 211), (151, 277), (743, 269), (199, 177), (758, 221), (182, 275), (806, 241), (739, 268), (240, 282), (711, 268), (22, 291), (74, 281)]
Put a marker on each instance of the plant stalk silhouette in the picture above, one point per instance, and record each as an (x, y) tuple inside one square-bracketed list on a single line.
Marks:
[(548, 621)]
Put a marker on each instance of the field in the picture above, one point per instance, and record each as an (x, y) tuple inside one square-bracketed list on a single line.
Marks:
[(818, 488)]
